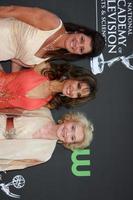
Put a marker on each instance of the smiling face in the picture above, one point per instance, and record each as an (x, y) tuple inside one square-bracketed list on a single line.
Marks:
[(78, 43), (70, 132), (75, 89)]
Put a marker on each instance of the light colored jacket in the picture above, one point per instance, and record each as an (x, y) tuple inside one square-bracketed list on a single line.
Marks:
[(22, 150)]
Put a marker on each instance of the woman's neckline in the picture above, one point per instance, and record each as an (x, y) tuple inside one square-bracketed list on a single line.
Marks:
[(41, 52)]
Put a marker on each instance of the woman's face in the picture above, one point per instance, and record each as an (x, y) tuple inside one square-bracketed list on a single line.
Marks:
[(70, 132), (78, 43), (75, 89)]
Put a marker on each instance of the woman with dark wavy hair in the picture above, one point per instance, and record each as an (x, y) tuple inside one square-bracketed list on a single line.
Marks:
[(73, 74), (32, 35), (46, 84), (97, 44)]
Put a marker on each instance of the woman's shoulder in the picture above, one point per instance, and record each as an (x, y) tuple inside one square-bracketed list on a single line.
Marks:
[(43, 112)]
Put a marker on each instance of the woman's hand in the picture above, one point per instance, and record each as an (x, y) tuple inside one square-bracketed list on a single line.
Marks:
[(18, 64), (15, 67)]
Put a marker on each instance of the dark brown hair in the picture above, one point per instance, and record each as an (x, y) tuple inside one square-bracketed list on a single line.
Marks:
[(98, 44), (66, 71)]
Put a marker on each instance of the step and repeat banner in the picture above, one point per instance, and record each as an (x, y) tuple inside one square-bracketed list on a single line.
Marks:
[(104, 170), (114, 19)]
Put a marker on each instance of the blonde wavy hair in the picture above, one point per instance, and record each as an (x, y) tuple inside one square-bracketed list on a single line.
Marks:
[(87, 127)]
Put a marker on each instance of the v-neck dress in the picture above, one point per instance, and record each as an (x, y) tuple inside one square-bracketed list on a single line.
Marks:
[(15, 86)]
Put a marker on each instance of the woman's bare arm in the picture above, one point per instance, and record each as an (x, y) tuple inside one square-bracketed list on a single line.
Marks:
[(37, 17), (18, 64), (20, 164), (15, 67), (11, 111)]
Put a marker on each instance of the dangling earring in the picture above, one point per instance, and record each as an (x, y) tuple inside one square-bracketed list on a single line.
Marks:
[(59, 121), (59, 142), (63, 78), (62, 95)]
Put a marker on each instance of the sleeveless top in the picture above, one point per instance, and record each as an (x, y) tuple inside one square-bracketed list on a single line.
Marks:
[(14, 87), (21, 41), (22, 146)]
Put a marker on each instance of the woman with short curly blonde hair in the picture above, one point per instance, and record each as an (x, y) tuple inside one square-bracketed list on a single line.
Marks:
[(30, 139), (87, 129)]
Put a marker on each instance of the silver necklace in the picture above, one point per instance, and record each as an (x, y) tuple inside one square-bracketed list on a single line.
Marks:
[(50, 46)]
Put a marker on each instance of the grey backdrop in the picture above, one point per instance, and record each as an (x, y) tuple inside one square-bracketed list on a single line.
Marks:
[(112, 114)]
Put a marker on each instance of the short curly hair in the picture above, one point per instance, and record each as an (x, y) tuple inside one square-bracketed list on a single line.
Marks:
[(87, 127)]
